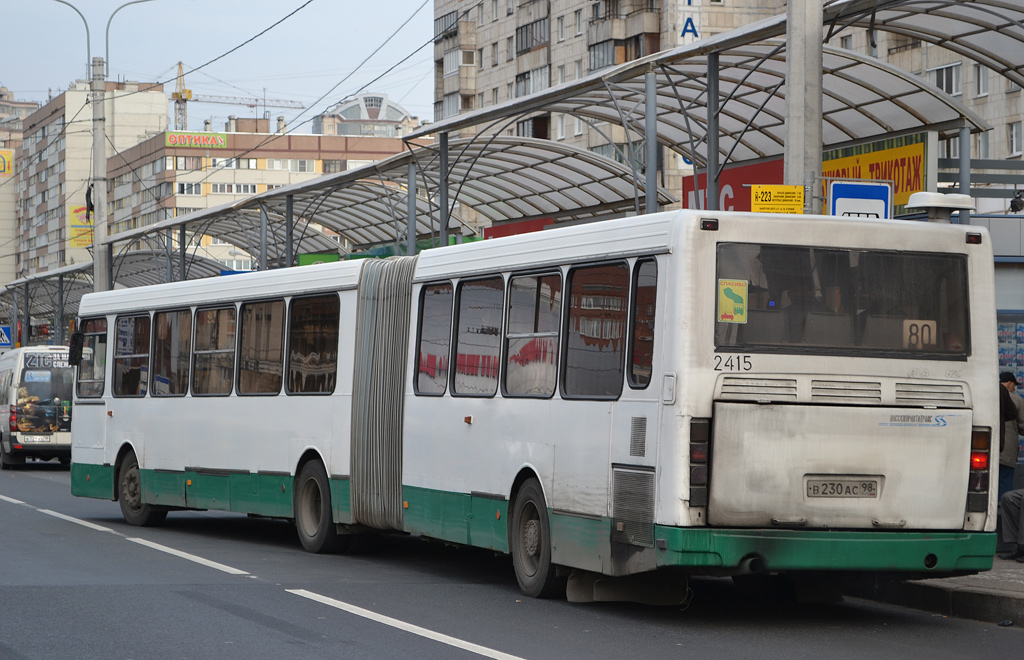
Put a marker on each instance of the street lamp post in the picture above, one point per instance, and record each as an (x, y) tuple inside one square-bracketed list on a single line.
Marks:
[(101, 273)]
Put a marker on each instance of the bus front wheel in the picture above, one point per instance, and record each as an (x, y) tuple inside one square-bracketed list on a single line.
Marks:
[(531, 543), (313, 520), (129, 496)]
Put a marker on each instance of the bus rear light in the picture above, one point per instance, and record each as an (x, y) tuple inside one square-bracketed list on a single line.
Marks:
[(978, 477), (700, 453), (981, 438), (708, 224), (979, 460), (977, 482), (973, 239), (13, 423)]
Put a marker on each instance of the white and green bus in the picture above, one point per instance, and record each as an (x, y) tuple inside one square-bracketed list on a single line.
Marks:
[(686, 392)]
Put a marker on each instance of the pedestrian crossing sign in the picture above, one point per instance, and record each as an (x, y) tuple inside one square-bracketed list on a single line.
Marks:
[(5, 336)]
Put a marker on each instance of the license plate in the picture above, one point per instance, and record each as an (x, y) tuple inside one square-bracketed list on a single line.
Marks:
[(33, 438), (842, 487)]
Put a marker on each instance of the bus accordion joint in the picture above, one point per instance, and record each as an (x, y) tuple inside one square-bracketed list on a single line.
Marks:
[(700, 448), (978, 479)]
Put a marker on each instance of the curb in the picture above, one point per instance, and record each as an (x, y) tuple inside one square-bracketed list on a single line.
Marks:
[(946, 599)]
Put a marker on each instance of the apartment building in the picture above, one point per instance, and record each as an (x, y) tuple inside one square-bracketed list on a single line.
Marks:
[(12, 115), (174, 173), (54, 168)]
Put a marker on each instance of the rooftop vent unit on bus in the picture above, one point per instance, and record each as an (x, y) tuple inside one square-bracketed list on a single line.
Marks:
[(940, 206)]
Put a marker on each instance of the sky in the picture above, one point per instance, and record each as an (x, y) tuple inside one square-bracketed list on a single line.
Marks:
[(314, 57)]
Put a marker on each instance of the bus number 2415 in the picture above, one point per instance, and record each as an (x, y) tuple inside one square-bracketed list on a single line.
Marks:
[(733, 363)]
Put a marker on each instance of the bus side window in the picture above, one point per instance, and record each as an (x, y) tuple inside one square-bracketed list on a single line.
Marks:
[(93, 367), (641, 340), (531, 356), (432, 347), (131, 355), (172, 344), (214, 370), (313, 345), (596, 331), (261, 360), (478, 337)]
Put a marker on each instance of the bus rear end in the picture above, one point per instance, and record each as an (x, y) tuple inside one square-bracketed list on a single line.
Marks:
[(853, 424), (37, 386)]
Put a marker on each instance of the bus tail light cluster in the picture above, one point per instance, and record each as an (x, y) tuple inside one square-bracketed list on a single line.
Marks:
[(700, 451), (978, 481), (13, 422)]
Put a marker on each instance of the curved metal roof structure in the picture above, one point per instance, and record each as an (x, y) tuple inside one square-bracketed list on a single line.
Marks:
[(64, 287), (503, 178), (990, 32)]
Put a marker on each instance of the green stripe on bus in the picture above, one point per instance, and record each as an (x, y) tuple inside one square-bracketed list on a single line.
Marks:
[(827, 550), (456, 517), (89, 480)]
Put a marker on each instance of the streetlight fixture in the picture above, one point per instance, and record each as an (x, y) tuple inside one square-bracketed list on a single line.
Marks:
[(101, 278)]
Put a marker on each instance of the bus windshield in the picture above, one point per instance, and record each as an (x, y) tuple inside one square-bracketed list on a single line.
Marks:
[(798, 299), (44, 394)]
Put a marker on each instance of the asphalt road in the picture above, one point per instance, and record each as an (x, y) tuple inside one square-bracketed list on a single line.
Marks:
[(77, 582)]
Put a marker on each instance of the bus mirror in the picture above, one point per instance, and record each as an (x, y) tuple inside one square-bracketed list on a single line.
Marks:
[(75, 348)]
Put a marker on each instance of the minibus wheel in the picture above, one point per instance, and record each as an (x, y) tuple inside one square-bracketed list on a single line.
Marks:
[(129, 495), (531, 543)]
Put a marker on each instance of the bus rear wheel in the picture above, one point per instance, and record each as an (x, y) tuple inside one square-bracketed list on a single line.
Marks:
[(129, 496), (313, 519), (531, 543)]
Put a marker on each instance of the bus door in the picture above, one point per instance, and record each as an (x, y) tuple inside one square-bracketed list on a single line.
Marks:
[(89, 433)]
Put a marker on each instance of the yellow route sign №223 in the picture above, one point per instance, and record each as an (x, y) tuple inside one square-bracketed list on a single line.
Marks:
[(732, 301)]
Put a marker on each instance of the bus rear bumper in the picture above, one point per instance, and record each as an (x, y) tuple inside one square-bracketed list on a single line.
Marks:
[(738, 551)]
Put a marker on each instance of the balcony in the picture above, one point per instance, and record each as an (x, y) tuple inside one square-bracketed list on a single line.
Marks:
[(623, 26)]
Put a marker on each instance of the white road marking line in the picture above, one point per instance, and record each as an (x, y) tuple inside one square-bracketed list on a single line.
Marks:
[(10, 499), (83, 523), (407, 627), (185, 555)]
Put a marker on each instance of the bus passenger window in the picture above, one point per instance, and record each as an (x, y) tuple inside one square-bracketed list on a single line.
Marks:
[(478, 338), (435, 339), (596, 332), (641, 341), (93, 367), (313, 345), (172, 342), (214, 370), (531, 358), (131, 355), (261, 358)]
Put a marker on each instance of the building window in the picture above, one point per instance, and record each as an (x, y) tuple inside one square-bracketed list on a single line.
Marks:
[(446, 26), (451, 62), (579, 69), (602, 55), (532, 35), (532, 81), (982, 145), (190, 188), (333, 166), (1015, 138), (494, 54), (579, 22), (559, 127), (561, 28), (494, 10), (510, 49), (494, 96), (981, 80), (947, 78), (480, 58), (846, 42)]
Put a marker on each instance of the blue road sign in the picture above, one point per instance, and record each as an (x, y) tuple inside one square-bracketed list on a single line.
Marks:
[(5, 336), (860, 198)]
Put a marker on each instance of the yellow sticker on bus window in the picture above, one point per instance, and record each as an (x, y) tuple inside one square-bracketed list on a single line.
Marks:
[(732, 301)]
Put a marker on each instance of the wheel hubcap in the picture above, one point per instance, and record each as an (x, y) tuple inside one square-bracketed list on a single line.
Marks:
[(531, 538)]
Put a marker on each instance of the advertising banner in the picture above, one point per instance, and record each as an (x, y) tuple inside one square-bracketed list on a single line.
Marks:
[(80, 226), (6, 162), (196, 140)]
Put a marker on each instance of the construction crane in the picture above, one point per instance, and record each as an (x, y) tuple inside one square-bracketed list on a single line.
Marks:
[(183, 95)]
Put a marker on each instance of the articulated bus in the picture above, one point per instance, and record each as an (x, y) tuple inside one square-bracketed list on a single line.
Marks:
[(684, 393), (36, 384)]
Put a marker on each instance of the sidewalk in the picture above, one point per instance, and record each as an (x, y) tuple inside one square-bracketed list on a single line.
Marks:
[(994, 596)]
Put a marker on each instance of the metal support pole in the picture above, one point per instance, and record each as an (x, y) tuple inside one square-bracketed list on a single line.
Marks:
[(965, 171), (443, 182), (410, 194), (711, 203), (15, 338), (101, 266), (58, 318), (803, 100), (651, 140), (263, 237), (27, 325), (169, 251), (182, 252), (289, 226)]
